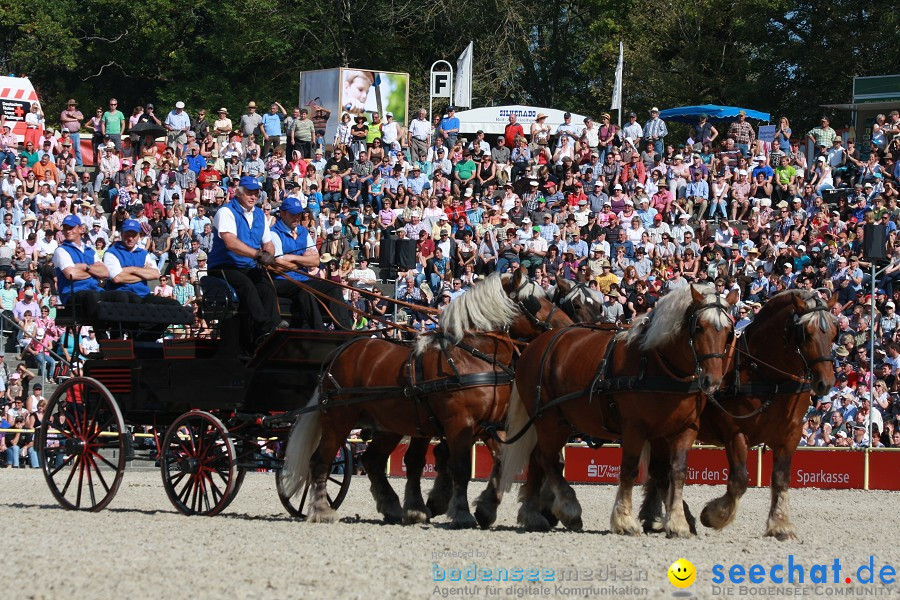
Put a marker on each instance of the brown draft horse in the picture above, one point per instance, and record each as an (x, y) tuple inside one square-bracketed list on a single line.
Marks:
[(647, 383), (782, 356), (580, 305), (455, 381)]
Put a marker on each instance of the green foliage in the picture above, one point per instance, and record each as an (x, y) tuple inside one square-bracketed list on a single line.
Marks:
[(772, 55)]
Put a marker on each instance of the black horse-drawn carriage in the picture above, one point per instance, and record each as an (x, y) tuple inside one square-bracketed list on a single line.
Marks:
[(194, 404)]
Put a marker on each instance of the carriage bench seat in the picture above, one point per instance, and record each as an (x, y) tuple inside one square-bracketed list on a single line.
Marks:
[(156, 314), (123, 312)]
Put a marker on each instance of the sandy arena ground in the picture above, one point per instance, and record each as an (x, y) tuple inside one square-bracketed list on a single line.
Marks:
[(141, 548)]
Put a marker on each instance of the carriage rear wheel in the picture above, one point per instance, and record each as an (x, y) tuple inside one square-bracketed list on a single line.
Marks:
[(337, 485), (81, 445), (198, 465)]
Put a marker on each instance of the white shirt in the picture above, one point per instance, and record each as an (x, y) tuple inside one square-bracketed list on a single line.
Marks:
[(115, 267), (224, 223), (46, 247), (279, 250), (390, 132), (537, 244), (420, 129), (62, 260), (357, 274)]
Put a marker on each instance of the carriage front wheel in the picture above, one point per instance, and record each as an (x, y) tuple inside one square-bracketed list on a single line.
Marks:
[(337, 485), (198, 464), (81, 445)]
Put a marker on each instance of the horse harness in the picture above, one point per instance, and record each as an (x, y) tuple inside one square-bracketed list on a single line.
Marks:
[(762, 387), (602, 384), (417, 388)]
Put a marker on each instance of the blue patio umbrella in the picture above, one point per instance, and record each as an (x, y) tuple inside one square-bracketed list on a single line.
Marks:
[(691, 114)]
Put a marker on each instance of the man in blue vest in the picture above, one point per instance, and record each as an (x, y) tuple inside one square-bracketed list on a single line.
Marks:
[(130, 267), (78, 270), (295, 249), (241, 241)]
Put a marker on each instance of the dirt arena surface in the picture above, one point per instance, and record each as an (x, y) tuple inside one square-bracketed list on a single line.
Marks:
[(141, 548)]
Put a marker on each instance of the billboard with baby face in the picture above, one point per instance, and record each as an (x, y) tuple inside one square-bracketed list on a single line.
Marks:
[(364, 91), (330, 93)]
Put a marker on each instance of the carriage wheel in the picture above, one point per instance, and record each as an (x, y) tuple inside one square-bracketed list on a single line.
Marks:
[(81, 445), (198, 466), (337, 486)]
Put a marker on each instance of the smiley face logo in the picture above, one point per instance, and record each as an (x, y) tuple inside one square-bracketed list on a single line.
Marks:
[(682, 573)]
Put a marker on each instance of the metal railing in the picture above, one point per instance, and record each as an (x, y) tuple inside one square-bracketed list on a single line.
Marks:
[(8, 324)]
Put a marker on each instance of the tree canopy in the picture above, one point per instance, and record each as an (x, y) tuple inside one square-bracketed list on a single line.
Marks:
[(773, 55)]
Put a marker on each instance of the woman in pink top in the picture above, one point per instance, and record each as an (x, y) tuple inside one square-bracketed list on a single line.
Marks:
[(163, 289)]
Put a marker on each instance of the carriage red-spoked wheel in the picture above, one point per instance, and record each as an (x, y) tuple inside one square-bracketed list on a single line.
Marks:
[(337, 486), (81, 445), (198, 464)]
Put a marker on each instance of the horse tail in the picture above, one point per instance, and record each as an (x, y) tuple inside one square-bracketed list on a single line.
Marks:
[(305, 436), (515, 456)]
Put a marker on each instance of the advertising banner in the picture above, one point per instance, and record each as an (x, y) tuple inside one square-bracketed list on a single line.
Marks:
[(827, 469), (811, 468), (364, 91), (884, 465), (397, 464), (319, 93)]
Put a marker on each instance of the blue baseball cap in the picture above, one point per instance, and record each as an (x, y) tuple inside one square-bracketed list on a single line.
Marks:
[(249, 183), (131, 225), (292, 205), (71, 221)]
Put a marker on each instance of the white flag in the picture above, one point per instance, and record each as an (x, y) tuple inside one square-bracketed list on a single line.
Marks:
[(617, 87), (463, 92)]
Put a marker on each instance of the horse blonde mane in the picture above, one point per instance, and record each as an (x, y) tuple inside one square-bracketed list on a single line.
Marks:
[(810, 299), (666, 321), (485, 307)]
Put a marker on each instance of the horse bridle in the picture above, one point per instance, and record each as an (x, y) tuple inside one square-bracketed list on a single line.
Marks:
[(543, 324), (566, 303), (800, 335), (695, 319)]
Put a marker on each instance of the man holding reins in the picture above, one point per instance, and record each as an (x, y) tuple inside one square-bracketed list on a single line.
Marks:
[(295, 249), (241, 241)]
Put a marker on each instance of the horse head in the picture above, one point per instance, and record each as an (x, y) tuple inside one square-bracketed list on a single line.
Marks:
[(577, 300), (538, 313), (812, 329), (711, 335)]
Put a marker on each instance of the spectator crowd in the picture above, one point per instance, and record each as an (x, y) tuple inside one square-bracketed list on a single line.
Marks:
[(633, 212)]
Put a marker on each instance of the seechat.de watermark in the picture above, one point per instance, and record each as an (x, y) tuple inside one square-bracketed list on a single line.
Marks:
[(792, 577)]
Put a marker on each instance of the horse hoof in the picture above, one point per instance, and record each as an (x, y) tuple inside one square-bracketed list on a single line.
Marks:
[(327, 515), (574, 524), (437, 507), (632, 530), (708, 519), (485, 515), (413, 516), (783, 534), (551, 518), (654, 525), (463, 520), (393, 518), (678, 531), (624, 525), (569, 514), (534, 523)]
